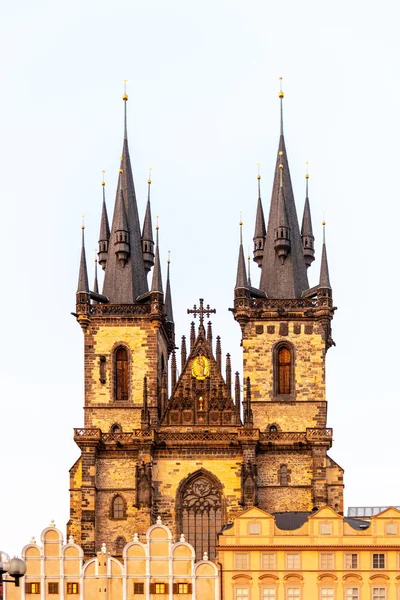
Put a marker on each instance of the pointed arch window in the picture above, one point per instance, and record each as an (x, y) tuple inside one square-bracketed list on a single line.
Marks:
[(283, 475), (118, 508), (120, 544), (200, 513), (284, 368), (121, 374)]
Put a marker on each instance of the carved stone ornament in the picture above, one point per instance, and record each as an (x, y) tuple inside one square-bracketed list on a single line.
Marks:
[(200, 367)]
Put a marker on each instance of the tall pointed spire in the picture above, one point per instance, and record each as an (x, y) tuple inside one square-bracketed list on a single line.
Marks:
[(324, 281), (121, 231), (282, 231), (168, 295), (156, 285), (83, 281), (241, 277), (104, 237), (259, 230), (124, 282), (147, 232), (307, 236), (96, 281), (287, 278)]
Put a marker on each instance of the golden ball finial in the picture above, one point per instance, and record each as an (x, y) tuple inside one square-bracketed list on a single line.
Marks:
[(83, 221), (169, 256), (125, 95), (281, 94), (281, 166), (149, 179), (280, 153), (258, 176), (307, 176), (324, 223)]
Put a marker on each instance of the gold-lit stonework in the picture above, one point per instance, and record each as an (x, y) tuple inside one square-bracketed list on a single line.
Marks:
[(200, 367)]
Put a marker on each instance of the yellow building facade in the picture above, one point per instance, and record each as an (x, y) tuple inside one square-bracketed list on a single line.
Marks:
[(327, 557), (151, 566)]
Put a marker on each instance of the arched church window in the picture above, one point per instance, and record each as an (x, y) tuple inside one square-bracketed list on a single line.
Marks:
[(200, 513), (120, 544), (115, 428), (121, 374), (273, 428), (118, 508), (283, 475), (284, 367)]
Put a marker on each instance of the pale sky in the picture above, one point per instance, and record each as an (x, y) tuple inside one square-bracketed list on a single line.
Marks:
[(203, 110)]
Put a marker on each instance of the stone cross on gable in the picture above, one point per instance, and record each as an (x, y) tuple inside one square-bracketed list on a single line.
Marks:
[(201, 311)]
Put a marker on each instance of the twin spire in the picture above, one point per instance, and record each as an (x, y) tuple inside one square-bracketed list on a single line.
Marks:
[(282, 250), (125, 253)]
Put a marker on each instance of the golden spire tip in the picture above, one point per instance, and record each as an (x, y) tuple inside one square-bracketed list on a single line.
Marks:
[(281, 94), (169, 256), (125, 96), (149, 179), (83, 221), (157, 226)]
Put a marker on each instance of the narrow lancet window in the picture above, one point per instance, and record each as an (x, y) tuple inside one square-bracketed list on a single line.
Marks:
[(284, 368), (118, 508), (121, 375)]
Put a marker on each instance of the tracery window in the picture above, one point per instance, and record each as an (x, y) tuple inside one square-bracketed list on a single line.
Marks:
[(121, 374), (118, 508), (283, 475), (284, 368), (200, 513)]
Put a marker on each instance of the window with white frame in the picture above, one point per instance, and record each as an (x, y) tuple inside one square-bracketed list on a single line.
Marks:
[(326, 593), (292, 593), (269, 593), (254, 528), (327, 560), (268, 561), (293, 560), (351, 561), (379, 593), (241, 560), (391, 528), (352, 593), (242, 593), (325, 528), (378, 561)]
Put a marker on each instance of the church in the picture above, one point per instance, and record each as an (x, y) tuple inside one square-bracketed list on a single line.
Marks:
[(178, 435)]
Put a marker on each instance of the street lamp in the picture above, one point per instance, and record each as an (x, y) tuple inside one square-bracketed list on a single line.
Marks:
[(16, 568)]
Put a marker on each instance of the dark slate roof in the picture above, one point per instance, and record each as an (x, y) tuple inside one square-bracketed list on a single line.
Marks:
[(123, 284), (288, 521), (83, 282), (287, 280)]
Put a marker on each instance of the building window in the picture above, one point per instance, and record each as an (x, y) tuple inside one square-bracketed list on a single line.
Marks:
[(283, 475), (118, 508), (72, 588), (351, 561), (293, 561), (269, 594), (120, 544), (200, 513), (241, 560), (182, 588), (352, 594), (268, 561), (241, 593), (378, 593), (326, 594), (325, 528), (52, 587), (158, 588), (254, 529), (33, 587), (378, 561), (138, 588), (391, 529), (327, 560), (121, 374), (115, 428), (273, 428), (284, 370), (292, 593)]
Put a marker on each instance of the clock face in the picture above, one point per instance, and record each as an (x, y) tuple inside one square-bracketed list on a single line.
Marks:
[(200, 367)]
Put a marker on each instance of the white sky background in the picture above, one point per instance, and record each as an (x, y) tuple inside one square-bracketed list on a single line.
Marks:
[(203, 79)]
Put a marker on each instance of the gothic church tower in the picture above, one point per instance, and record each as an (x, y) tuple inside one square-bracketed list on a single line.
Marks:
[(201, 454)]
